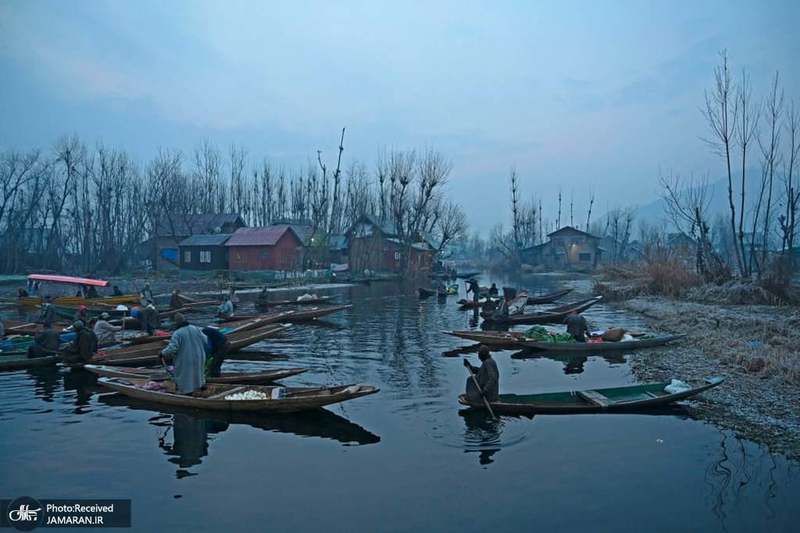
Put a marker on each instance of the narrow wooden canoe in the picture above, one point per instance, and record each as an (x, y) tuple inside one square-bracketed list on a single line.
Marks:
[(213, 397), (242, 324), (467, 275), (21, 361), (548, 298), (158, 374), (607, 346), (554, 315), (311, 301), (313, 313), (494, 339), (148, 354), (617, 399)]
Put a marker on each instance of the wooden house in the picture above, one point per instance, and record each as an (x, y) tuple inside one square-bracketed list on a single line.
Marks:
[(204, 252), (171, 230), (566, 249), (275, 247), (373, 245)]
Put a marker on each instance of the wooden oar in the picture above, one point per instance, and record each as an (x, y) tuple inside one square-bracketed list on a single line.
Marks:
[(485, 401)]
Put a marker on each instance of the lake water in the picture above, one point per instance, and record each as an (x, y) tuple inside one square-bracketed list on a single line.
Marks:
[(405, 459)]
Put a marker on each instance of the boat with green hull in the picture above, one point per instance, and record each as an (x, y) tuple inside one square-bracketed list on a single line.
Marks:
[(629, 398)]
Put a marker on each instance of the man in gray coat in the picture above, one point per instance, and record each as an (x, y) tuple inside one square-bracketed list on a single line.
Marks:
[(487, 376), (187, 348)]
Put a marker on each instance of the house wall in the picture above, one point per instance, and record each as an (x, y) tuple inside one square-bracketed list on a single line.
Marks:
[(286, 254), (374, 253), (219, 258), (420, 260), (576, 252)]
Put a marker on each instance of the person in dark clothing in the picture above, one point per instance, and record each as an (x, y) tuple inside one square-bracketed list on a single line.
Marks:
[(577, 326), (22, 293), (493, 290), (262, 302), (487, 376), (175, 301), (81, 314), (150, 318), (216, 349), (82, 349), (475, 289), (45, 343), (117, 292), (48, 314)]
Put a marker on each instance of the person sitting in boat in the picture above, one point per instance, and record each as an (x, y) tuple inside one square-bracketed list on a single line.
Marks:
[(92, 292), (150, 319), (233, 297), (116, 291), (225, 310), (493, 291), (175, 301), (82, 348), (262, 302), (577, 326), (216, 348), (146, 295), (44, 343), (22, 293), (48, 313), (475, 289), (81, 314), (187, 350), (105, 331), (487, 376)]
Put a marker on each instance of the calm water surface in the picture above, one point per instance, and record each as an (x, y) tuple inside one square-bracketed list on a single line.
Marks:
[(405, 459)]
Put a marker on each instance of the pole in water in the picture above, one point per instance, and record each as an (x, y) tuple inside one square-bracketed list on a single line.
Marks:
[(480, 390)]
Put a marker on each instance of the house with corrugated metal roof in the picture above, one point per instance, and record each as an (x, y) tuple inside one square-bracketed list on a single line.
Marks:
[(204, 252), (162, 247), (276, 247), (567, 248)]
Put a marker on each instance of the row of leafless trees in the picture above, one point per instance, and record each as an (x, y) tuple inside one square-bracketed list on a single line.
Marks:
[(87, 209), (746, 132)]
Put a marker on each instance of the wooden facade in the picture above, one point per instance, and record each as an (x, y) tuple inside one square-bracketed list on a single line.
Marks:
[(272, 248), (204, 252), (567, 249)]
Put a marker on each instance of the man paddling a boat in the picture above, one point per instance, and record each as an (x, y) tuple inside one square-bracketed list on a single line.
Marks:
[(187, 348), (487, 376), (475, 289)]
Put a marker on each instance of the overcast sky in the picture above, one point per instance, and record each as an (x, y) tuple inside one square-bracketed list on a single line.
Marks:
[(581, 96)]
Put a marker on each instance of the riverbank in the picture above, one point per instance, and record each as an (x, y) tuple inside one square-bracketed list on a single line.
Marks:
[(754, 347)]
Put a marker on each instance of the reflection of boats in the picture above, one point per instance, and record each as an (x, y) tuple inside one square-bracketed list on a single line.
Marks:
[(213, 397), (605, 346), (320, 423), (157, 374), (548, 298), (76, 300), (617, 399), (494, 339), (548, 316), (20, 361)]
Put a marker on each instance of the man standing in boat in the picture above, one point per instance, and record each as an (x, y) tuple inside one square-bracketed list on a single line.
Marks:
[(216, 348), (48, 313), (475, 289), (577, 326), (151, 318), (187, 348), (487, 376)]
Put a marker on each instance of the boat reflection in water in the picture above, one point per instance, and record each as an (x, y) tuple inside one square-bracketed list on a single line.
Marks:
[(191, 428), (483, 434), (573, 362)]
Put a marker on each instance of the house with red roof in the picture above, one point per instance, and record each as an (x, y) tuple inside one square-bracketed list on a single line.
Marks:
[(276, 247)]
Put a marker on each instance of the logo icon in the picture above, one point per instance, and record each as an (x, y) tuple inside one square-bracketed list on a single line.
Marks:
[(25, 513)]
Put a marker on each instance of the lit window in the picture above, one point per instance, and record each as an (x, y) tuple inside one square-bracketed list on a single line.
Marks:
[(187, 256), (205, 256)]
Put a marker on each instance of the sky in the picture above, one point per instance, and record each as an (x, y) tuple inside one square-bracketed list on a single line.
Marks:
[(587, 98)]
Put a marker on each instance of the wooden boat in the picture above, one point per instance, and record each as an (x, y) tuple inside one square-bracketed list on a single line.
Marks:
[(467, 275), (213, 397), (313, 313), (425, 293), (148, 354), (256, 321), (548, 298), (554, 315), (494, 339), (158, 374), (21, 361), (611, 400), (32, 301), (605, 346), (310, 301)]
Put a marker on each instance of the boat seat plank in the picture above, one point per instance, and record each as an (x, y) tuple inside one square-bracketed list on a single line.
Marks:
[(594, 397)]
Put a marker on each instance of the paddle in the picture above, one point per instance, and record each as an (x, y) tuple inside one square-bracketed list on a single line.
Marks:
[(480, 390)]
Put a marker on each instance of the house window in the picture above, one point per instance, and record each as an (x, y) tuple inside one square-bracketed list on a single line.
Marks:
[(187, 256), (397, 256), (264, 254), (584, 256), (205, 256)]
